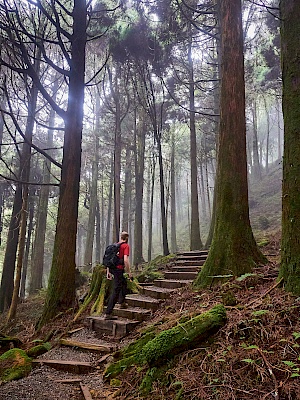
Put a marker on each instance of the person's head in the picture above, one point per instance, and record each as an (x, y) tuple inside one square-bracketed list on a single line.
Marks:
[(124, 236)]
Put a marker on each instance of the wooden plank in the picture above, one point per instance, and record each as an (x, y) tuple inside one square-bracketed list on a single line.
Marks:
[(76, 367), (86, 392), (67, 380), (76, 330), (88, 346)]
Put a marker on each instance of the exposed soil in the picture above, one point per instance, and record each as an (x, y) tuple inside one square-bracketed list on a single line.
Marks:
[(254, 356)]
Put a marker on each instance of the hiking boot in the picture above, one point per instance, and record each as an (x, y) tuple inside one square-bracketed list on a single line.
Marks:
[(109, 317), (123, 305)]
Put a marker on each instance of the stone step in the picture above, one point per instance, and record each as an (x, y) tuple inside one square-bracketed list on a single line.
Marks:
[(141, 301), (171, 283), (180, 275), (135, 313), (118, 328), (159, 293), (186, 268), (195, 263)]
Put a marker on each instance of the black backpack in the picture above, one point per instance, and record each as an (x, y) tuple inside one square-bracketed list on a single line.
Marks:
[(111, 258)]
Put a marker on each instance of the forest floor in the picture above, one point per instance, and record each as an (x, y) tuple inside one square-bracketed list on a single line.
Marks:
[(256, 355)]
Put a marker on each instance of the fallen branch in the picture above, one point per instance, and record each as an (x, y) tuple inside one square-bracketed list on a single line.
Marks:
[(275, 391), (267, 292)]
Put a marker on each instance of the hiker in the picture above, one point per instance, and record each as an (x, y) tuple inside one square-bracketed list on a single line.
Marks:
[(119, 282)]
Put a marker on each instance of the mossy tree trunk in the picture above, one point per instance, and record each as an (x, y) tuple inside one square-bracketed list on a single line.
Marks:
[(233, 250), (61, 287), (290, 249)]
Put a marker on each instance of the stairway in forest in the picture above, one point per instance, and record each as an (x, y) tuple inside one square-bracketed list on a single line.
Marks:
[(141, 306)]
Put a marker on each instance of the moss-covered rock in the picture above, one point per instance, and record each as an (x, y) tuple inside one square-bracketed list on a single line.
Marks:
[(14, 364)]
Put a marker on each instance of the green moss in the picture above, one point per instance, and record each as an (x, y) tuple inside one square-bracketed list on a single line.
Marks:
[(116, 368), (135, 346), (38, 350), (115, 382), (170, 342), (263, 242), (14, 364), (229, 299), (151, 270)]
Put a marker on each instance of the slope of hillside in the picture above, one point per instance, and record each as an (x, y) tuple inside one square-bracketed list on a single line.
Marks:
[(265, 201)]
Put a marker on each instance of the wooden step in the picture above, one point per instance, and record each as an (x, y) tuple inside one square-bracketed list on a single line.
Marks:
[(156, 292), (88, 346), (171, 283), (191, 258), (141, 301), (135, 313), (184, 263), (76, 367), (196, 253), (184, 268), (117, 328), (180, 275)]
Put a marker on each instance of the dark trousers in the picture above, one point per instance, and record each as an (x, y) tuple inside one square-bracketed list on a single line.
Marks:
[(119, 290)]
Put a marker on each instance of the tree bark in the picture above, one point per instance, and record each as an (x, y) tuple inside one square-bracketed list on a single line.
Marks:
[(88, 254), (37, 265), (195, 243), (27, 246), (139, 186), (25, 174), (127, 191), (256, 170), (290, 249), (61, 296), (110, 196), (150, 207), (233, 251), (173, 196)]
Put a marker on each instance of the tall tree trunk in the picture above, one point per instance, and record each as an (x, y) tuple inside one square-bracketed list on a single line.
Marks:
[(127, 191), (27, 246), (162, 196), (267, 136), (88, 254), (98, 234), (37, 265), (256, 171), (2, 184), (117, 154), (61, 296), (139, 189), (279, 146), (195, 243), (233, 250), (110, 196), (290, 249), (8, 271), (173, 195), (25, 174), (150, 208)]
